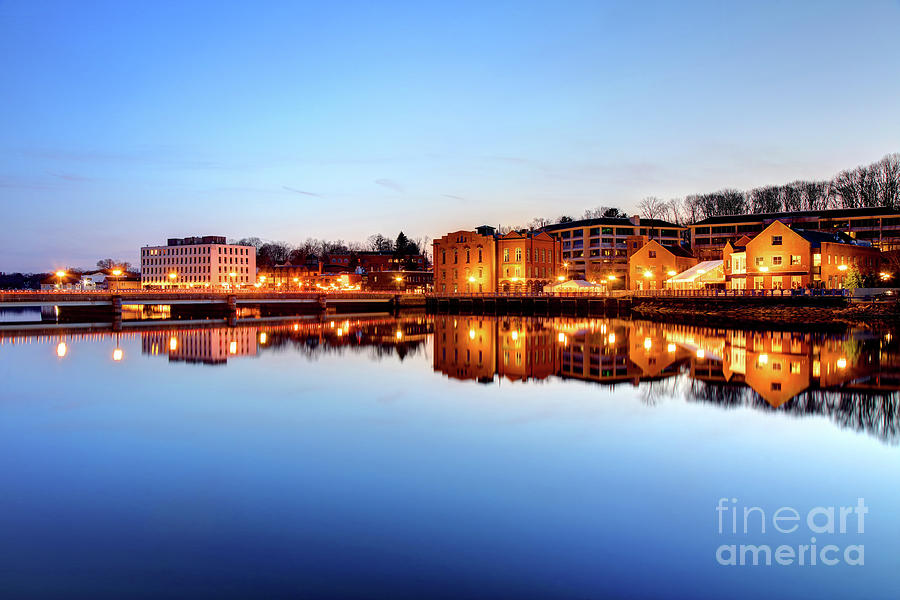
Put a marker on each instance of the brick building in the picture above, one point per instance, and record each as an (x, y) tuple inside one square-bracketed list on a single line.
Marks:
[(877, 226), (653, 264), (780, 257), (485, 261)]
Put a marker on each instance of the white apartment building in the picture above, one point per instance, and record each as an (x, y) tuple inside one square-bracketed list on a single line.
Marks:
[(200, 261)]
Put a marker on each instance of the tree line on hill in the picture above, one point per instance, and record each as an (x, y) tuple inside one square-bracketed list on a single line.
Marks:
[(873, 185), (269, 253)]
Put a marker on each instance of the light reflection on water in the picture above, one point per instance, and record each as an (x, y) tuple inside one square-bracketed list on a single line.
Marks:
[(434, 456)]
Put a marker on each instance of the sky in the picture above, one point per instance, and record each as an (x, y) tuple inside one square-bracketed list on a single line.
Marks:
[(125, 123)]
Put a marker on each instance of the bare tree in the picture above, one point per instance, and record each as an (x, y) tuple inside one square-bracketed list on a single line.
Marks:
[(652, 207)]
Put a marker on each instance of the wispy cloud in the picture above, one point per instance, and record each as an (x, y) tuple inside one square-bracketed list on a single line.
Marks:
[(305, 193), (390, 184), (451, 196), (68, 176)]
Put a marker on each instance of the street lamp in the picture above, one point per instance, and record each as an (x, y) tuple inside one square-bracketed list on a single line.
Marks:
[(232, 275), (116, 273), (59, 276), (842, 267), (172, 277)]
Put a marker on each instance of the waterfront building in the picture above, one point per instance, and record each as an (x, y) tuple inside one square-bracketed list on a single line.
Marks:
[(877, 226), (200, 261), (371, 261), (781, 257), (595, 249), (653, 264), (398, 281), (485, 261), (287, 277)]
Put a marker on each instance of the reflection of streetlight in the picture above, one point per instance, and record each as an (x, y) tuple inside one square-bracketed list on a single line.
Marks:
[(399, 335), (232, 347), (842, 363), (648, 343), (673, 273), (701, 353), (561, 278), (173, 343), (471, 280), (117, 354), (670, 348), (61, 349)]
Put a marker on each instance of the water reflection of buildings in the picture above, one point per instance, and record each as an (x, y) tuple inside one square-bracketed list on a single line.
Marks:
[(209, 346), (777, 365)]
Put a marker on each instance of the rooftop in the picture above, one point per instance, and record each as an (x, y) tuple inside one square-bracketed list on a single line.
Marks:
[(614, 222), (832, 213)]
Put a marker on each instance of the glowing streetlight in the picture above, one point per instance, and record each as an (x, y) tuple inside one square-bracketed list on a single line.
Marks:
[(611, 277), (670, 348), (173, 344), (116, 273), (471, 280), (842, 267), (648, 273), (885, 276), (399, 335), (514, 335), (172, 277), (471, 334), (673, 273), (701, 353), (842, 363), (648, 343), (561, 278), (59, 276)]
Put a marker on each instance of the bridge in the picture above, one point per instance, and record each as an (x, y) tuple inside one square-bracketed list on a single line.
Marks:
[(108, 304)]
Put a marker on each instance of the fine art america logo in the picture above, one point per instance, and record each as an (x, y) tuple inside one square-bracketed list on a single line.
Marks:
[(824, 534)]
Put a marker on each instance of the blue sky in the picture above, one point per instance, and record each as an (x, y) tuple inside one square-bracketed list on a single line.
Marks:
[(123, 124)]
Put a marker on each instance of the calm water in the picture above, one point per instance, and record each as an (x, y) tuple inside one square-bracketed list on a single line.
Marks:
[(441, 457)]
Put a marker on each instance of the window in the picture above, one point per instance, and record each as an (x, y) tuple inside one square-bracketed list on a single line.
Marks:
[(652, 253), (795, 259), (506, 255), (518, 255), (776, 260), (776, 240), (760, 261)]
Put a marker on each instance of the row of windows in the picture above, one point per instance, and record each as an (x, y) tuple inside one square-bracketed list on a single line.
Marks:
[(193, 269), (197, 279), (193, 260), (620, 231), (189, 250)]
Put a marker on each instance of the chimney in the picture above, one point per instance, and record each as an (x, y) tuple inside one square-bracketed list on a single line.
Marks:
[(635, 220)]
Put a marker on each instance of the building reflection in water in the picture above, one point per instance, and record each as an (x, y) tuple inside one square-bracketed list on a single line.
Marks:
[(776, 365), (216, 345)]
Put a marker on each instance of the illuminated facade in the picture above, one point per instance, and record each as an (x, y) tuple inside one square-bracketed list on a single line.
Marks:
[(650, 267), (783, 258), (198, 262), (484, 261), (596, 249), (878, 226)]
